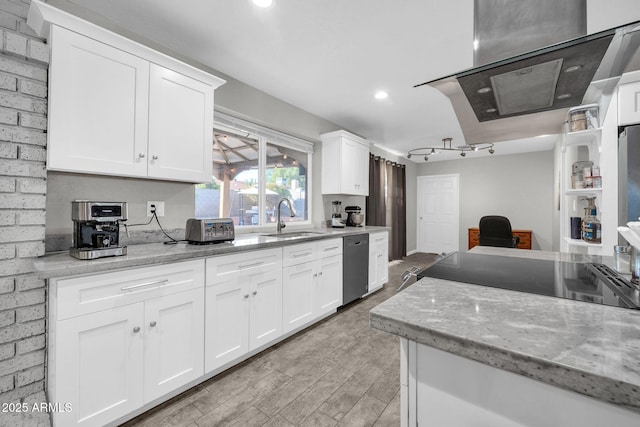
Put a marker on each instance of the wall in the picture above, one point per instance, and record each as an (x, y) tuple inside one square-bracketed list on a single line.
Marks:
[(23, 106), (518, 186)]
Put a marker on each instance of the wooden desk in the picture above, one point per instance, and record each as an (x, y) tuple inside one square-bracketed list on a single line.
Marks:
[(524, 235)]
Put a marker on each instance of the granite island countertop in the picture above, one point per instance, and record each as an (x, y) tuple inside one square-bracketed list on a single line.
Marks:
[(61, 264), (588, 348)]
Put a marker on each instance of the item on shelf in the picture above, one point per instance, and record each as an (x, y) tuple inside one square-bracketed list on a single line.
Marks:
[(588, 182), (578, 174), (622, 257), (597, 181), (591, 227), (583, 117), (634, 264), (586, 172), (576, 223), (336, 215)]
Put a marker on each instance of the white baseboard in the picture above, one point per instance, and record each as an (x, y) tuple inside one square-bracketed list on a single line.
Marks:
[(415, 251)]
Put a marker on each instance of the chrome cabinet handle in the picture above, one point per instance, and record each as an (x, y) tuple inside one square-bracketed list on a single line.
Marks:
[(136, 329), (255, 292), (153, 323), (255, 264), (141, 285), (331, 248), (154, 157), (299, 255), (141, 155), (315, 275), (246, 296)]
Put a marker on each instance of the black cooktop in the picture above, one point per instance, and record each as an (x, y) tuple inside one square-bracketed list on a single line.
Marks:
[(589, 282)]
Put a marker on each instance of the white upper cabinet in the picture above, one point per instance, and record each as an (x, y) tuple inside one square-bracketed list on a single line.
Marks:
[(629, 104), (345, 164), (119, 108)]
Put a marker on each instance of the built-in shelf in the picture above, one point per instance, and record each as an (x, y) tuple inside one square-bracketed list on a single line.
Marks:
[(589, 137), (584, 192), (580, 242)]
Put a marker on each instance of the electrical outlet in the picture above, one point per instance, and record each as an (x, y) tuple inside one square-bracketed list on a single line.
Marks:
[(159, 207)]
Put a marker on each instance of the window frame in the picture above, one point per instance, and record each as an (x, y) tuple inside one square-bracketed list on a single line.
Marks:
[(233, 125)]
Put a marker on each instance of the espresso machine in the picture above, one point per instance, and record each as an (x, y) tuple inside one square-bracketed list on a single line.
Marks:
[(96, 229)]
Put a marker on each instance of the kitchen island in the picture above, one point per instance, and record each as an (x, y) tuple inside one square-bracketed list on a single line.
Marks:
[(477, 355)]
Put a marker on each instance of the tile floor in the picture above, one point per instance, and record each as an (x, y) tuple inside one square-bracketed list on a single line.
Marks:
[(339, 372)]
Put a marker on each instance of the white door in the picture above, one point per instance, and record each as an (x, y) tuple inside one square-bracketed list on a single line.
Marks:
[(98, 111), (265, 317), (298, 296), (174, 342), (99, 361), (180, 126), (227, 322), (329, 285), (438, 213)]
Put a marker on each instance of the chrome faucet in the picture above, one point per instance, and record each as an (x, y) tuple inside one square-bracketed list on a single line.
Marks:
[(281, 224)]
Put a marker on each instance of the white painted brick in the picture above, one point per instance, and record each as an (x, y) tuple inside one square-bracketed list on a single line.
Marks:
[(30, 344), (7, 218), (22, 68), (31, 217), (21, 234), (33, 153), (18, 395), (7, 350), (22, 135), (30, 376), (8, 21), (32, 185), (27, 314), (33, 121), (8, 82), (6, 384), (22, 362), (15, 43), (16, 266), (7, 185), (22, 168), (8, 317), (34, 88), (22, 201), (27, 282), (23, 102), (8, 151), (38, 51), (8, 117), (30, 249), (7, 251), (22, 299), (7, 284), (20, 331), (18, 9)]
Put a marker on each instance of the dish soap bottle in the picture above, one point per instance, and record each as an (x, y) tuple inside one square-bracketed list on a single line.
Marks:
[(591, 227)]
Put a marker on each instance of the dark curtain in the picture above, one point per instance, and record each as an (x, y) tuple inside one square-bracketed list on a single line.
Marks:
[(375, 203), (386, 203)]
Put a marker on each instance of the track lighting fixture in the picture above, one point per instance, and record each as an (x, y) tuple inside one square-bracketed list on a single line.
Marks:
[(446, 145)]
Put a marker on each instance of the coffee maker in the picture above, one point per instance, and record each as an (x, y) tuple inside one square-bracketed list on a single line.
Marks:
[(96, 229)]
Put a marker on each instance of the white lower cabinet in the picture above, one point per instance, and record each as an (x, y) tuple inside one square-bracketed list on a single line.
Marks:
[(378, 260), (122, 339), (244, 304), (312, 282)]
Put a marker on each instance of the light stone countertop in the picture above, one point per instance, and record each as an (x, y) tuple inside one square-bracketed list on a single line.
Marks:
[(588, 348), (61, 264)]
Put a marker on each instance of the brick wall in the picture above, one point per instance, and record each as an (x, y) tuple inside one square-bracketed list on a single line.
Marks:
[(23, 186)]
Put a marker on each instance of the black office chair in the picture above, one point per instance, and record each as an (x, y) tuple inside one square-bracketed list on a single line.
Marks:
[(496, 231)]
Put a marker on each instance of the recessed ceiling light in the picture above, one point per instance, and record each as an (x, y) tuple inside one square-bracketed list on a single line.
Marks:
[(491, 110), (484, 90), (262, 3), (381, 95), (564, 96), (572, 69)]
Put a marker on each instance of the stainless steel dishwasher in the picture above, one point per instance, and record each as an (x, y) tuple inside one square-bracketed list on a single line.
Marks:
[(355, 267)]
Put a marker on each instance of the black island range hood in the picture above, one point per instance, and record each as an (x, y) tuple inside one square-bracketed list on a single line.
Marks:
[(529, 94)]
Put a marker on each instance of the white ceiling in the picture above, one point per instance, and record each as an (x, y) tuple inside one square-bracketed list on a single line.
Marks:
[(328, 57)]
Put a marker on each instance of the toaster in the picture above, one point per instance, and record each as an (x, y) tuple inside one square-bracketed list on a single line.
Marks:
[(202, 231)]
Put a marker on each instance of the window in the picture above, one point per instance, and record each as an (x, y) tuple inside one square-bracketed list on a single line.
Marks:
[(253, 169)]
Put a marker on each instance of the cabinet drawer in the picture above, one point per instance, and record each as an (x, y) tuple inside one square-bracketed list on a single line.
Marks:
[(88, 294), (297, 254), (218, 268), (329, 247)]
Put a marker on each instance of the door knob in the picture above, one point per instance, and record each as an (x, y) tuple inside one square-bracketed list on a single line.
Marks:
[(141, 155), (246, 296), (154, 157), (153, 323), (255, 292), (136, 329)]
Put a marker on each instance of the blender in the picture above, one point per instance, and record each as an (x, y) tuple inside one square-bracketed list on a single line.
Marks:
[(336, 215)]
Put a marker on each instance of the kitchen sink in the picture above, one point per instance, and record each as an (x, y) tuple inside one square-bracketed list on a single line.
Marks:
[(294, 234)]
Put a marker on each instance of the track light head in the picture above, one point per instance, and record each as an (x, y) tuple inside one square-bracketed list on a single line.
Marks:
[(463, 154), (491, 151), (426, 158), (409, 156)]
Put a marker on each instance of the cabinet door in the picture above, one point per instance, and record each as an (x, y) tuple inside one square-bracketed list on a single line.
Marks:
[(174, 338), (99, 365), (373, 268), (629, 104), (227, 322), (329, 285), (180, 127), (98, 107), (265, 317), (298, 296), (361, 169), (378, 260), (382, 263)]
